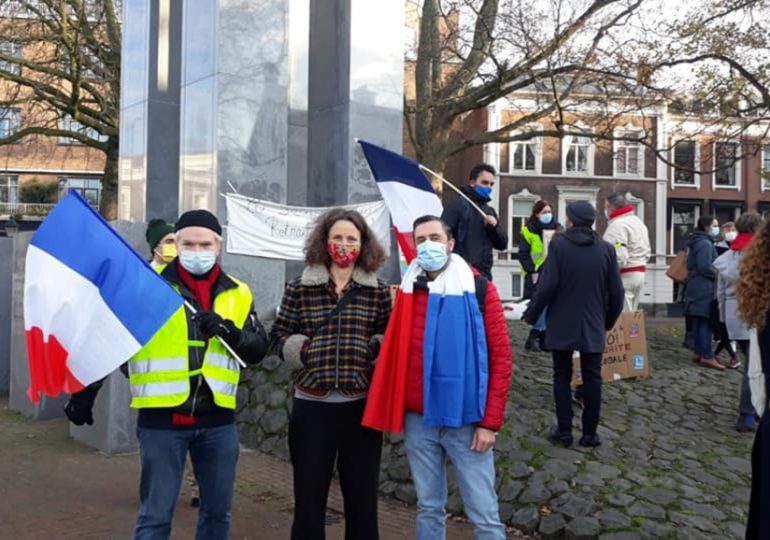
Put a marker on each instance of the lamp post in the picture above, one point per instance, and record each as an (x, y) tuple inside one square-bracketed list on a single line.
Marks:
[(10, 227)]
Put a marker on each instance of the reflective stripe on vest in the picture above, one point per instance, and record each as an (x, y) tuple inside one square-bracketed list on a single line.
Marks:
[(535, 248), (159, 374)]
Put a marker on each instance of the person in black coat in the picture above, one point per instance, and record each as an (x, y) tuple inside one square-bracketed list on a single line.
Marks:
[(476, 235), (700, 289), (754, 309), (581, 287)]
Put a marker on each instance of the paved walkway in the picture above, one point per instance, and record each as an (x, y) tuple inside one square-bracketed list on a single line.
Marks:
[(54, 487)]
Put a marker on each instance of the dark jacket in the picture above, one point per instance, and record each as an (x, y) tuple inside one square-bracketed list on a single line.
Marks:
[(700, 285), (474, 239), (335, 354), (580, 285), (525, 253)]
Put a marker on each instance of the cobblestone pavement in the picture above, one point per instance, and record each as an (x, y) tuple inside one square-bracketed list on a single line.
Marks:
[(670, 466), (54, 487)]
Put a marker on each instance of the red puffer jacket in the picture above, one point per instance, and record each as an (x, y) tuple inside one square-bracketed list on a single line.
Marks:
[(499, 352)]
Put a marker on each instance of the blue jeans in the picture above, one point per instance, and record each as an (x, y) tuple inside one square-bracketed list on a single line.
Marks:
[(540, 323), (427, 449), (214, 454)]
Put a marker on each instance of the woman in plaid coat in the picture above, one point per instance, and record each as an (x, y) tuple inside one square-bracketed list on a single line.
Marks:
[(329, 328)]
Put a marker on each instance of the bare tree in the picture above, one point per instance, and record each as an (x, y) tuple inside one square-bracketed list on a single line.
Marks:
[(64, 73), (577, 62)]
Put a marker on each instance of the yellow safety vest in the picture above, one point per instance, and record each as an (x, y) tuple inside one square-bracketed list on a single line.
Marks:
[(159, 374), (536, 250)]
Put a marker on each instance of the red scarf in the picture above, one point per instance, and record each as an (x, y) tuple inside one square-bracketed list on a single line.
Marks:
[(741, 241), (628, 209), (200, 286)]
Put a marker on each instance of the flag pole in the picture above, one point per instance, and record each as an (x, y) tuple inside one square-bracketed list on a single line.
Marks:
[(451, 185), (222, 341)]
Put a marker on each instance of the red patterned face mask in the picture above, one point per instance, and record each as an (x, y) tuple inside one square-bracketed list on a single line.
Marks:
[(342, 255)]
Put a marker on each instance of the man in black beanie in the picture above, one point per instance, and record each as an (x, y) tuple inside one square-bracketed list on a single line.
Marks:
[(580, 285), (184, 382)]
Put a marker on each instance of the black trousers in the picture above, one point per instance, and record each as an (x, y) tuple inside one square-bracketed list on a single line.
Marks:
[(320, 435), (758, 526), (591, 371)]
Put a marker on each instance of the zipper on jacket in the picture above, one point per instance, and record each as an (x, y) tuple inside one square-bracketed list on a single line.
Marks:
[(337, 354)]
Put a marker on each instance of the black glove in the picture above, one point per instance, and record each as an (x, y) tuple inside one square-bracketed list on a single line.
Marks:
[(80, 406), (212, 324)]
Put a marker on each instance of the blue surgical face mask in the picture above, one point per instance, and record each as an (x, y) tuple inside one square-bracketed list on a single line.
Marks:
[(432, 256), (545, 219), (714, 232), (484, 191), (197, 262)]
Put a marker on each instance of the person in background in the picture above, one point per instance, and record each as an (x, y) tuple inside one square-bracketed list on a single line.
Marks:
[(475, 234), (329, 329), (726, 237), (629, 235), (728, 266), (581, 287), (753, 292), (162, 241), (700, 289), (531, 258)]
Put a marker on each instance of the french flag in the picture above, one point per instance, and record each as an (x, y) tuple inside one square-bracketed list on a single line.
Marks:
[(405, 189), (90, 301)]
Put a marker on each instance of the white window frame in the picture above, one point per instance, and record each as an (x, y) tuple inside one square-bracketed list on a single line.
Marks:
[(765, 155), (736, 165), (11, 48), (671, 231), (696, 160), (567, 194), (67, 123), (537, 144), (523, 195), (7, 181), (616, 144), (565, 146), (13, 117), (84, 180)]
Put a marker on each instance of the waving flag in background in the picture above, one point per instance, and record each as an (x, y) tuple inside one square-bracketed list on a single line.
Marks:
[(405, 189), (90, 301)]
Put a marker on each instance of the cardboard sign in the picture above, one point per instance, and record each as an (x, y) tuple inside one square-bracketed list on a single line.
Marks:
[(547, 237), (625, 351)]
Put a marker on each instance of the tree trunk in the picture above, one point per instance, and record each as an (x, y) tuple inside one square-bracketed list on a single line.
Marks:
[(108, 207)]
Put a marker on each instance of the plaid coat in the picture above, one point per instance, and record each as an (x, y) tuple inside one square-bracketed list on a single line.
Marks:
[(334, 354)]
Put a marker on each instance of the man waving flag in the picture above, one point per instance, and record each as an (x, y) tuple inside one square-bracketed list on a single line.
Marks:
[(90, 301)]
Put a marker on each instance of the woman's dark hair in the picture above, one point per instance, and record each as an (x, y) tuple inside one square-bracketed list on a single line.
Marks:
[(372, 253), (537, 208), (704, 223)]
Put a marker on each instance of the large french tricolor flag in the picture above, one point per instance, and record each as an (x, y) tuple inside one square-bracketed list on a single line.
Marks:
[(405, 189), (90, 301)]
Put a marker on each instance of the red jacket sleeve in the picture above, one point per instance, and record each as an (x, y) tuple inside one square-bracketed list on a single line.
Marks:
[(500, 359)]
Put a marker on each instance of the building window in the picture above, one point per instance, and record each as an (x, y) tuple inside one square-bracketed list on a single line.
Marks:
[(516, 291), (683, 219), (519, 209), (9, 188), (628, 160), (578, 155), (13, 49), (89, 188), (765, 167), (685, 159), (10, 122), (638, 205), (568, 194), (67, 123), (523, 156), (726, 164)]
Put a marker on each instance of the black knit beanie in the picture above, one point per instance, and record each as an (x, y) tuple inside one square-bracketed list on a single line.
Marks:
[(199, 218), (581, 213)]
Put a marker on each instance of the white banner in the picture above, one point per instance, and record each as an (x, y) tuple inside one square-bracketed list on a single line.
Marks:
[(277, 231)]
